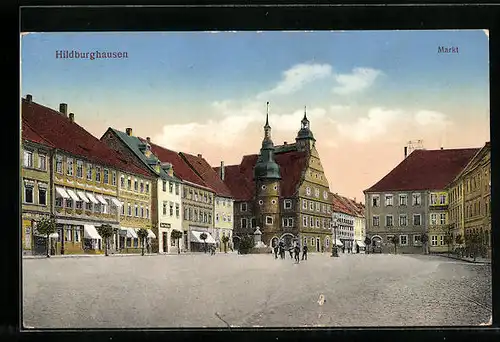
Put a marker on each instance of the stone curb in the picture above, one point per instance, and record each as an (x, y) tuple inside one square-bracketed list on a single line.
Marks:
[(488, 262)]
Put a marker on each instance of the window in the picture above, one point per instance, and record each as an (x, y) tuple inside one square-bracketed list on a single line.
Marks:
[(311, 222), (441, 240), (403, 220), (389, 220), (170, 187), (317, 223), (136, 185), (433, 219), (123, 208), (416, 199), (275, 187), (113, 178), (129, 209), (288, 204), (171, 207), (59, 164), (243, 207), (147, 187), (79, 204), (442, 199), (269, 220), (176, 188), (376, 220), (305, 241), (375, 200), (190, 214), (403, 200), (304, 204), (129, 183), (28, 193), (69, 203), (97, 174), (106, 176), (325, 194), (195, 215), (288, 222), (264, 187), (416, 240), (177, 210), (28, 159), (122, 182), (216, 217), (316, 193), (416, 220), (69, 169), (261, 202), (329, 209), (142, 211), (210, 218), (164, 208), (324, 208), (147, 212), (318, 206), (308, 191), (312, 241), (272, 202), (243, 223), (403, 240), (42, 162), (67, 236), (388, 200), (434, 199), (77, 234), (136, 210), (304, 221), (311, 205), (442, 218)]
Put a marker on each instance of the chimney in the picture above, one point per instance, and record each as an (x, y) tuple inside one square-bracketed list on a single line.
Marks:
[(29, 98), (222, 171), (354, 199), (71, 117), (63, 108), (406, 151), (441, 147), (148, 139), (285, 143), (200, 156), (129, 131)]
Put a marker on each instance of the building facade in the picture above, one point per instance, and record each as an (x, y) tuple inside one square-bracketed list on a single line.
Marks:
[(166, 209), (85, 175), (36, 188), (439, 226), (283, 191), (400, 203)]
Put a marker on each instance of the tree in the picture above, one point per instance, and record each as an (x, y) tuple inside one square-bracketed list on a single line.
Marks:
[(473, 244), (395, 241), (142, 234), (45, 227), (176, 235), (225, 240), (459, 240), (204, 236), (448, 239), (106, 232), (368, 241), (424, 238), (246, 244)]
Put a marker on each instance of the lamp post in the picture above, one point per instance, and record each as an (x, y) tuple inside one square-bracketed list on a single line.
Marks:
[(334, 233)]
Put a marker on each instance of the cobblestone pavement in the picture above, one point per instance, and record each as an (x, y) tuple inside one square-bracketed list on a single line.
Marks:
[(254, 290)]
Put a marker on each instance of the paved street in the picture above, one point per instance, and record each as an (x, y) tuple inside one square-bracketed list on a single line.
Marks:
[(254, 290)]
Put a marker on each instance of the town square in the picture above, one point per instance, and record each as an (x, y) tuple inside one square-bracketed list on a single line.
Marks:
[(260, 184)]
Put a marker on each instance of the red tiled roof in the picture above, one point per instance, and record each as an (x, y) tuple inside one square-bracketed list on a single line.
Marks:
[(70, 137), (355, 208), (29, 134), (425, 170), (239, 178), (207, 173), (341, 205), (181, 168)]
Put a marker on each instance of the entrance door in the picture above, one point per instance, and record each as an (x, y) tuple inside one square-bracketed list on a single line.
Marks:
[(317, 245), (165, 235)]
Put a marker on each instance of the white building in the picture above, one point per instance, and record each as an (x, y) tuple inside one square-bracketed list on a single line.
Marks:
[(343, 210)]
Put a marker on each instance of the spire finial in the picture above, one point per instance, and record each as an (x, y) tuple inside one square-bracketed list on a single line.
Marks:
[(305, 113), (267, 114)]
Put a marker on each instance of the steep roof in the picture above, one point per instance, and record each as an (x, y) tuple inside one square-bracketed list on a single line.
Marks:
[(425, 170), (466, 168), (207, 173), (70, 137), (133, 144), (30, 135), (342, 205), (181, 168), (357, 209), (239, 178)]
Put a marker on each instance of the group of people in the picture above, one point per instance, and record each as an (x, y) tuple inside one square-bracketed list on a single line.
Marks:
[(280, 249)]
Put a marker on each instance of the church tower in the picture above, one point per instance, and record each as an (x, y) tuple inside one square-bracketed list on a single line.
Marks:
[(267, 181), (305, 139)]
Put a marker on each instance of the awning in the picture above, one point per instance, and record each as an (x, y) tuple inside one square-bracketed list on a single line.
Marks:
[(129, 232), (54, 235), (195, 235), (339, 243), (360, 243), (72, 194), (92, 198), (116, 202), (101, 199), (151, 234), (84, 198), (89, 232), (62, 192)]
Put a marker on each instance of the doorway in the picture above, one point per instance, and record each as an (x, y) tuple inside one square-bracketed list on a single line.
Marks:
[(317, 245), (164, 242)]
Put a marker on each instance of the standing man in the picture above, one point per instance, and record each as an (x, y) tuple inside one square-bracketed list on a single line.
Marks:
[(304, 252), (297, 253), (276, 251)]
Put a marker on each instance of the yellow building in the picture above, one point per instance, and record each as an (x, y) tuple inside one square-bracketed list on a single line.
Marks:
[(36, 188), (439, 226)]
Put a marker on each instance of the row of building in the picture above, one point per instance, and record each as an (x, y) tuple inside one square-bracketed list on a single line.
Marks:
[(441, 193), (130, 183)]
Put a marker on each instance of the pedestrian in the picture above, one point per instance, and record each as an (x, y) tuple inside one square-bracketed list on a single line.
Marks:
[(276, 249), (290, 250), (304, 252), (297, 253)]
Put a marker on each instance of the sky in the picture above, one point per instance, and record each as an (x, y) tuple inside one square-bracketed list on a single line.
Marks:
[(366, 93)]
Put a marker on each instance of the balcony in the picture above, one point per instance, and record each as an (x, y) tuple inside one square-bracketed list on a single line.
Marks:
[(439, 206)]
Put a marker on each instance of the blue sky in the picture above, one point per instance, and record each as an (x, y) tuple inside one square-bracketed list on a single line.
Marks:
[(187, 81)]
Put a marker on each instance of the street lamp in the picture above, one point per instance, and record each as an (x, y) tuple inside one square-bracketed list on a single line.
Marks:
[(334, 234)]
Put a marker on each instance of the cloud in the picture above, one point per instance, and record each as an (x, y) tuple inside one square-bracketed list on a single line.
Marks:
[(296, 77), (357, 81), (375, 124), (432, 119)]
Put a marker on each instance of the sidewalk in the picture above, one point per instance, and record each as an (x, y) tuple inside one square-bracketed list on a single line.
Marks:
[(114, 255), (479, 260)]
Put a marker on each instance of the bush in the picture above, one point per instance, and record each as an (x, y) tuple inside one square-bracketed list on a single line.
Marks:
[(246, 244)]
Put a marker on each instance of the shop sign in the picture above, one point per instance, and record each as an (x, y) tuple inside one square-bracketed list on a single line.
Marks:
[(165, 225)]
